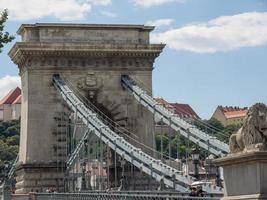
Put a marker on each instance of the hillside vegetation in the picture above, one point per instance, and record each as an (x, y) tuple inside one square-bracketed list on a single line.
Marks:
[(213, 127), (9, 142)]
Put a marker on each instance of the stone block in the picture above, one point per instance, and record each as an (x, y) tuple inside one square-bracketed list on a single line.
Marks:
[(245, 175)]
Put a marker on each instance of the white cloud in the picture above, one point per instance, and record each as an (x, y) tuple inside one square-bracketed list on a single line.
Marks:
[(60, 9), (149, 3), (8, 83), (100, 2), (160, 22), (220, 34), (108, 14)]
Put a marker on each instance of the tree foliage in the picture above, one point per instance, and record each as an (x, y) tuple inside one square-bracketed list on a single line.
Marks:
[(176, 141), (215, 128), (181, 147), (5, 37), (9, 142)]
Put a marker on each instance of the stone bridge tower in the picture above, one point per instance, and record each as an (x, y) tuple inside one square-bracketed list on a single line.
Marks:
[(92, 58)]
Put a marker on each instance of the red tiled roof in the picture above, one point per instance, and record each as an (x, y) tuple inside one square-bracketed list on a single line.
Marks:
[(233, 112), (184, 110), (11, 96), (17, 100), (163, 103)]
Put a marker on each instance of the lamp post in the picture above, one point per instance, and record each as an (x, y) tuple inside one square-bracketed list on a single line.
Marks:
[(195, 157)]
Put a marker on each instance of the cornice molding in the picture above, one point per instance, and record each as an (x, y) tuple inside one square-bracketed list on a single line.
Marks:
[(23, 50)]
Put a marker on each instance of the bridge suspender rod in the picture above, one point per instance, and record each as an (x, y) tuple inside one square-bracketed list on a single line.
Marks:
[(107, 165), (175, 122), (75, 153), (115, 164), (138, 158)]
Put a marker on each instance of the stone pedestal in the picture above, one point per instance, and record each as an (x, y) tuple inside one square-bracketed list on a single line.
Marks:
[(245, 175), (39, 177)]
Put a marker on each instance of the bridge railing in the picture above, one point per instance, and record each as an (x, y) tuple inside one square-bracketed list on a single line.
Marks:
[(115, 196)]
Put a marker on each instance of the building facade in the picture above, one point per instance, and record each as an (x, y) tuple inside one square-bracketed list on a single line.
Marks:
[(230, 115), (10, 105)]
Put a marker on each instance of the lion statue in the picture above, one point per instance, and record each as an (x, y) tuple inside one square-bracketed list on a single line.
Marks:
[(253, 134)]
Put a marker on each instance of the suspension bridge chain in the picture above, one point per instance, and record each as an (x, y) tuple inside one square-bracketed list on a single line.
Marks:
[(189, 131), (5, 187), (71, 161), (13, 168), (206, 126), (147, 164)]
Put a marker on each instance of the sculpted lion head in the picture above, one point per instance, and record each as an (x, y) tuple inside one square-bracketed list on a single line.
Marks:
[(253, 134)]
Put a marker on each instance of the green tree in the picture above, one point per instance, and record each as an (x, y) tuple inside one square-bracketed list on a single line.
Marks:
[(184, 146), (7, 153), (5, 37), (230, 129), (9, 141), (13, 140), (11, 131), (212, 127), (214, 123), (165, 141)]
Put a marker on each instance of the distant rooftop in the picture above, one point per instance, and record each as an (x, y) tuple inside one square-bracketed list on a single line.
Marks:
[(12, 96), (182, 110), (163, 102), (17, 100), (233, 112)]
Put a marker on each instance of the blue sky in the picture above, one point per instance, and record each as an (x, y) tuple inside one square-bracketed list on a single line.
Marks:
[(215, 53)]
